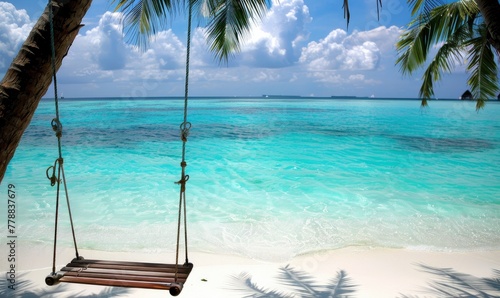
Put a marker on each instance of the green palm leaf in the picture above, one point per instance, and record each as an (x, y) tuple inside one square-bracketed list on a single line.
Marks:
[(143, 18), (229, 21), (483, 68), (425, 6), (424, 32), (457, 29), (444, 60)]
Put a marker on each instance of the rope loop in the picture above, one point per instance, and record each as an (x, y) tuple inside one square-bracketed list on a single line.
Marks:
[(182, 182), (185, 127), (57, 127), (53, 179)]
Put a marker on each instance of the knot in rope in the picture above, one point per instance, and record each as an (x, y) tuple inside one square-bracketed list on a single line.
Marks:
[(185, 127), (53, 179), (57, 127), (182, 182)]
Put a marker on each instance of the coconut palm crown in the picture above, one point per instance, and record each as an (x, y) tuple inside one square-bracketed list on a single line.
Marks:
[(460, 35)]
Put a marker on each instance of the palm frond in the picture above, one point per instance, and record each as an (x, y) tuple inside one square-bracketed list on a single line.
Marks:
[(347, 13), (379, 6), (441, 24), (444, 60), (229, 21), (483, 78), (457, 26), (411, 53), (423, 6), (144, 18)]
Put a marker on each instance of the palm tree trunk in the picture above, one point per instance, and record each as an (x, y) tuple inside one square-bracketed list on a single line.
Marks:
[(490, 9), (30, 74)]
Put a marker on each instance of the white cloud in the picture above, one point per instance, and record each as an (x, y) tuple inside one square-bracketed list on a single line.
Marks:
[(277, 57), (384, 37), (266, 75), (275, 42), (338, 78), (358, 51), (91, 57), (15, 26), (356, 77), (326, 77), (167, 51), (200, 55), (101, 54), (111, 54)]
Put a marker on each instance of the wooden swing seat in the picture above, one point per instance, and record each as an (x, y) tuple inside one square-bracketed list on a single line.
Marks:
[(123, 274)]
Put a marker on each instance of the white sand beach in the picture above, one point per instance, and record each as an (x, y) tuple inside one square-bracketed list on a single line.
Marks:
[(372, 272)]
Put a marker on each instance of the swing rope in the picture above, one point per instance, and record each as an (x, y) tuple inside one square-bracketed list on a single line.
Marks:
[(184, 127), (56, 179), (58, 164)]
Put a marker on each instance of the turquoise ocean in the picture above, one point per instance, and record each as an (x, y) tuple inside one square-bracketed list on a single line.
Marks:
[(270, 178)]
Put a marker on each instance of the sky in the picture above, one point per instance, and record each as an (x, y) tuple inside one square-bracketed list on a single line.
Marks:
[(301, 47)]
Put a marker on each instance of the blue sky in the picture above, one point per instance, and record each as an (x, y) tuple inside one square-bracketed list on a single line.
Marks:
[(303, 47)]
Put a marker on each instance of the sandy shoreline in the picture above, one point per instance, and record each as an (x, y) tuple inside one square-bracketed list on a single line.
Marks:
[(377, 272)]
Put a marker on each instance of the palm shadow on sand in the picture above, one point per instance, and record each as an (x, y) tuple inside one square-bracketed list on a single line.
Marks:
[(26, 289), (300, 284), (449, 283), (444, 282)]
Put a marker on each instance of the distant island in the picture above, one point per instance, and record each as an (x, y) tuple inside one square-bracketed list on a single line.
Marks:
[(345, 97), (300, 96), (280, 96)]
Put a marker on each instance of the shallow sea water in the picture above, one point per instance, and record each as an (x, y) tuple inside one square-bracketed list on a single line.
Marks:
[(269, 178)]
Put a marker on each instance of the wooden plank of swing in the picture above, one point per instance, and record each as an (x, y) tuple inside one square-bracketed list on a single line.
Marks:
[(167, 268), (106, 275), (92, 261), (117, 282), (181, 272), (124, 274)]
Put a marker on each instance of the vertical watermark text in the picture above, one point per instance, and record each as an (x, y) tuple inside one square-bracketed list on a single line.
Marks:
[(11, 236)]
